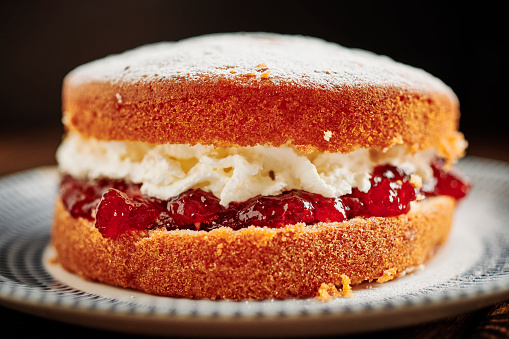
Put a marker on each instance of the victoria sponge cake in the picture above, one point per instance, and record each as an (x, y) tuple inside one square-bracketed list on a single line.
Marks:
[(254, 165)]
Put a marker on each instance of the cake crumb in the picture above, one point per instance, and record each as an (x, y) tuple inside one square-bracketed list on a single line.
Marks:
[(327, 292), (415, 180), (261, 65), (387, 275), (327, 135), (54, 260), (265, 75), (346, 291)]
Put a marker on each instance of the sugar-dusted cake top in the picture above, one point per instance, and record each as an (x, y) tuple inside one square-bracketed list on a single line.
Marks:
[(305, 61)]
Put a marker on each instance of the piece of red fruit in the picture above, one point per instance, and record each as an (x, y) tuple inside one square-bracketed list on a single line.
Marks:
[(328, 209), (353, 204), (387, 172), (81, 197), (118, 213), (277, 211), (452, 183), (390, 194), (389, 198), (194, 206)]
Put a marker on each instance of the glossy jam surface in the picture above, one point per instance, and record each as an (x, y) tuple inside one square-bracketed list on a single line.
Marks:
[(452, 183), (118, 206)]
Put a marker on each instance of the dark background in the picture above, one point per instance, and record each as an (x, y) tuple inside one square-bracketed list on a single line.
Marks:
[(463, 45)]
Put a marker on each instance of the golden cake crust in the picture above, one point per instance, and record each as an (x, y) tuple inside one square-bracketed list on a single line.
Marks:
[(343, 101), (254, 263)]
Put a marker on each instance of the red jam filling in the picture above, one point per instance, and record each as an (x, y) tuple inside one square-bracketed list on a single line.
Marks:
[(118, 206)]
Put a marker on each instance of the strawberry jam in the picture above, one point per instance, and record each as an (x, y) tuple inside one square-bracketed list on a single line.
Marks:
[(82, 197), (452, 183), (120, 212), (118, 206), (390, 194)]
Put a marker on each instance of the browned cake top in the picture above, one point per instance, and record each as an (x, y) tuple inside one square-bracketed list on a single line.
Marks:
[(247, 89)]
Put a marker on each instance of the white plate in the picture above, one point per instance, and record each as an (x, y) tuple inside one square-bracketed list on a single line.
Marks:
[(471, 271)]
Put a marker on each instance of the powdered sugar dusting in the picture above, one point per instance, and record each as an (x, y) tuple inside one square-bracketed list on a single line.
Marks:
[(303, 61)]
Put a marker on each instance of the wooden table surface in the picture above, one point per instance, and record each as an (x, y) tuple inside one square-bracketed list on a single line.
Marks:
[(20, 150)]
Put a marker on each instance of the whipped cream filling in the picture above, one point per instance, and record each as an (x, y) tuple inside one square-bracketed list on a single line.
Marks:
[(233, 174)]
